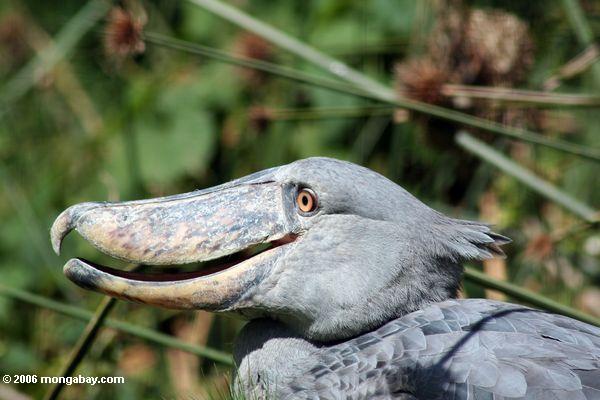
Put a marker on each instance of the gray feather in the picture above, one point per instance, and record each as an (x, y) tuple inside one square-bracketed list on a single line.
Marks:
[(456, 349)]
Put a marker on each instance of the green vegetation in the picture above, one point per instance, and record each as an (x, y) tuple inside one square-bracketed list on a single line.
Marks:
[(97, 103)]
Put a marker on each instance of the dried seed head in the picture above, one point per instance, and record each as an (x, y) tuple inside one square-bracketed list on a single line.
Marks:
[(502, 42), (253, 46), (446, 46), (421, 79), (482, 47), (470, 47), (124, 34)]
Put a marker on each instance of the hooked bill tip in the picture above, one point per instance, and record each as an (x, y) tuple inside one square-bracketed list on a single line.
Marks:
[(60, 228), (66, 222)]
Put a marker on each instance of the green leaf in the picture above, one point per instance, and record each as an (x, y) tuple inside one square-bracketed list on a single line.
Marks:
[(181, 146)]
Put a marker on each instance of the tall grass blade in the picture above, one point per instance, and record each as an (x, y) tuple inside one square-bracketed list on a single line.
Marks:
[(316, 113), (529, 97), (341, 87), (575, 66), (43, 63), (551, 192), (332, 65), (83, 344), (378, 90), (282, 71), (583, 31), (132, 329), (527, 296)]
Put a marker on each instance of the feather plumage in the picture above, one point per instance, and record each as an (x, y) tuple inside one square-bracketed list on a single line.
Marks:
[(456, 349)]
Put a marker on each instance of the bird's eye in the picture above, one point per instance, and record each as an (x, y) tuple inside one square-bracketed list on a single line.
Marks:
[(306, 200)]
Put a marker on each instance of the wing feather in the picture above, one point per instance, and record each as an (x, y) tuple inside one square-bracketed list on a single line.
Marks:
[(466, 349)]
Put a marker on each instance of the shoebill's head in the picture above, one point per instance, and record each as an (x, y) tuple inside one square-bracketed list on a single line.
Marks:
[(327, 247)]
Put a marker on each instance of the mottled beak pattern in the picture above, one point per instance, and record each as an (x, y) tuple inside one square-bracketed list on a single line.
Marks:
[(193, 227)]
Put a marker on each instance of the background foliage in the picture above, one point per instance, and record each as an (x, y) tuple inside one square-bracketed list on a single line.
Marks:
[(118, 123)]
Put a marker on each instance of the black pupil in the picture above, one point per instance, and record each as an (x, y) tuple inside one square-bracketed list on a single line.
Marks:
[(305, 199)]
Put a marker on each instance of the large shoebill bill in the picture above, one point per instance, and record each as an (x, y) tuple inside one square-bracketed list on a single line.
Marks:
[(348, 282)]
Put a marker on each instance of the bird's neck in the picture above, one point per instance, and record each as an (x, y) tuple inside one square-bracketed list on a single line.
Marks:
[(416, 287), (267, 355)]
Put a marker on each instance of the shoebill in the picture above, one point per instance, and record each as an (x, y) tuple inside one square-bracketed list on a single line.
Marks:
[(349, 284)]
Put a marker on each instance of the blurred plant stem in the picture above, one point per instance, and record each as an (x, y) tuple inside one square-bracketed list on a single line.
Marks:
[(83, 344), (511, 95), (368, 137), (551, 192), (583, 31), (575, 66), (376, 90), (132, 329), (184, 367), (47, 59), (534, 98), (297, 47), (494, 267), (292, 114), (368, 49), (471, 274), (440, 112), (90, 333), (282, 71), (527, 296)]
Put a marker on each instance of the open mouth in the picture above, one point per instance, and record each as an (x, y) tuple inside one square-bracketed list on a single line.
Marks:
[(206, 269), (235, 234)]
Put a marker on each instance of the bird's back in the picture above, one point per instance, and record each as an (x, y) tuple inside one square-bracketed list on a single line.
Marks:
[(457, 349)]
